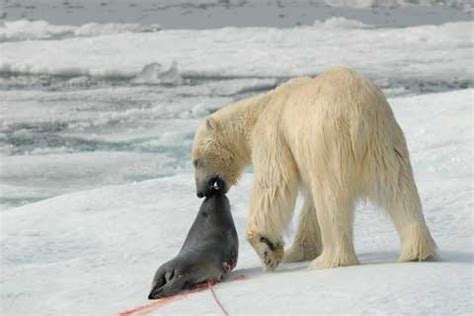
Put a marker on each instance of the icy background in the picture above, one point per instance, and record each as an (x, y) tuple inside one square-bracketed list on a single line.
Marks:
[(99, 104)]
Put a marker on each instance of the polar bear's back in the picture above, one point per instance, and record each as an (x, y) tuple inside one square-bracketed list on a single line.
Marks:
[(337, 117), (338, 91), (338, 97)]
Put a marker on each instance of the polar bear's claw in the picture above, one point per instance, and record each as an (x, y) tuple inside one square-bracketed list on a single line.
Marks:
[(270, 252)]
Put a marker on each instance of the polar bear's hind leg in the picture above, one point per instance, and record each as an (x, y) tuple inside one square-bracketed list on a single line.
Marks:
[(393, 188), (401, 200), (335, 211), (307, 243)]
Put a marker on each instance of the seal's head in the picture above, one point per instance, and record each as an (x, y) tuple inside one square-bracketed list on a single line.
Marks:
[(217, 186), (216, 205)]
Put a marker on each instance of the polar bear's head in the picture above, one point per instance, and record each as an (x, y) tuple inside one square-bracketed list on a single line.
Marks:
[(216, 157)]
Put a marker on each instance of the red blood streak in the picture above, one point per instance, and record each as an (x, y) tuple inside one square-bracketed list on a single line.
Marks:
[(153, 306)]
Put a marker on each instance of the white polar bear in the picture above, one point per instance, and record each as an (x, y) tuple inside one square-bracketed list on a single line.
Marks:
[(334, 137)]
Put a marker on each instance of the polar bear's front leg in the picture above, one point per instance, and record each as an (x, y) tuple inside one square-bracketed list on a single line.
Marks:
[(272, 205)]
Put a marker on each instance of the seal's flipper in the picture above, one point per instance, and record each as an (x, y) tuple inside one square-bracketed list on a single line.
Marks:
[(163, 274), (173, 286)]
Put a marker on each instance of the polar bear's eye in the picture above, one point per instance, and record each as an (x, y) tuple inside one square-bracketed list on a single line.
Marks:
[(195, 163)]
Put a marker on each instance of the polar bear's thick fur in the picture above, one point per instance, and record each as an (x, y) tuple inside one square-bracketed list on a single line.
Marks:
[(333, 137)]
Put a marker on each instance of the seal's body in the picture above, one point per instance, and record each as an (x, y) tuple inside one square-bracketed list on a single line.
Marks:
[(208, 253)]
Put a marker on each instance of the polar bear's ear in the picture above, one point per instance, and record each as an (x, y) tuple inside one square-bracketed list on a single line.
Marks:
[(212, 125)]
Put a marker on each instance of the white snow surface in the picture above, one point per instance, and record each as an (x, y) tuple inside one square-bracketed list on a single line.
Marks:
[(431, 52), (95, 252), (22, 30), (340, 23)]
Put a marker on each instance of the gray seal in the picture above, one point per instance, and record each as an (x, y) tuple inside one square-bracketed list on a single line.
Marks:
[(209, 252)]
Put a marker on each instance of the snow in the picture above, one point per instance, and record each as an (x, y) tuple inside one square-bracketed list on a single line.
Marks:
[(340, 23), (154, 74), (95, 251), (21, 30), (430, 52)]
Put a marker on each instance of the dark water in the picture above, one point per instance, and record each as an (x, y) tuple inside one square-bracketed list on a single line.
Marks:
[(205, 14)]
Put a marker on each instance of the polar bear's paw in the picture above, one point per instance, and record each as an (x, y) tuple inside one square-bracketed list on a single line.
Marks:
[(418, 245), (327, 261), (270, 252)]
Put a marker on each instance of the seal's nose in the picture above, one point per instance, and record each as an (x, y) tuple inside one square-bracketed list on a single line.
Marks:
[(154, 294), (200, 194), (216, 184)]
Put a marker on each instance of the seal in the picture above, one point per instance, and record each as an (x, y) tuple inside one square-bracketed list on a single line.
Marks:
[(209, 252)]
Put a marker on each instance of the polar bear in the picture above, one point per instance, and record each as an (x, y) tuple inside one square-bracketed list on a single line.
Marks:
[(334, 138)]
